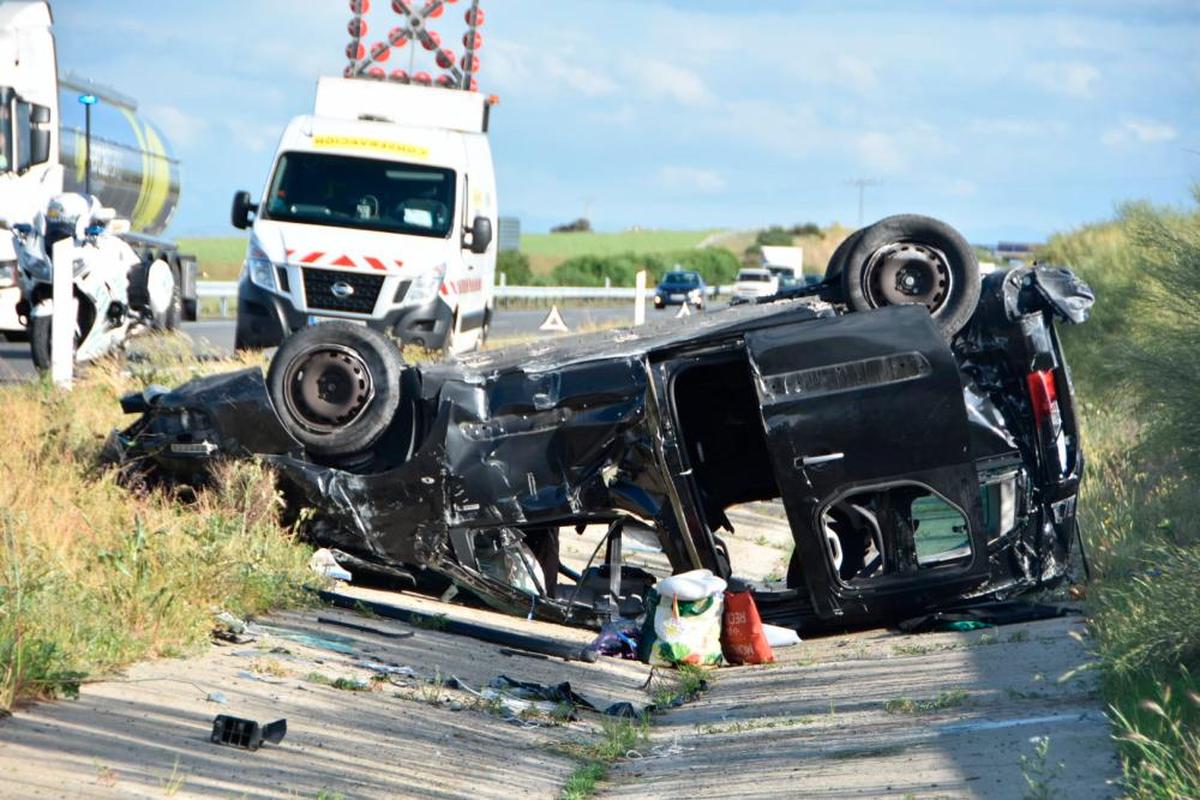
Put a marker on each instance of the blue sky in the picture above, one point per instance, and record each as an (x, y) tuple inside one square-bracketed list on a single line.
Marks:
[(1011, 120)]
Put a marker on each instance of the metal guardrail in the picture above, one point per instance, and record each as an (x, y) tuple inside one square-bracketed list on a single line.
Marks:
[(227, 289)]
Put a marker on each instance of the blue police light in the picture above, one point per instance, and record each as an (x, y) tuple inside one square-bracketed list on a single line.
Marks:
[(89, 99)]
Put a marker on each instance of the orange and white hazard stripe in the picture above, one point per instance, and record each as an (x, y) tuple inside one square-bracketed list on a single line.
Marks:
[(320, 258)]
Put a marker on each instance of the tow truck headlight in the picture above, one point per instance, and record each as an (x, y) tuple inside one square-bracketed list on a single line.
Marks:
[(261, 273), (425, 286), (259, 267)]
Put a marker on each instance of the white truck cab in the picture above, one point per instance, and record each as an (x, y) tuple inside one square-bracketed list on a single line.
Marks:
[(380, 208), (29, 175)]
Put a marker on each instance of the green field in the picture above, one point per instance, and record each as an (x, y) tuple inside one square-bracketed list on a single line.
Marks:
[(548, 250), (220, 257), (567, 245)]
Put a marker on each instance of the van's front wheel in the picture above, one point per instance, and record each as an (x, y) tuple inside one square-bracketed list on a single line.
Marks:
[(336, 387)]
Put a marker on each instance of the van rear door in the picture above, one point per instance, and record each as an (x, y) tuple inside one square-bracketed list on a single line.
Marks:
[(865, 421)]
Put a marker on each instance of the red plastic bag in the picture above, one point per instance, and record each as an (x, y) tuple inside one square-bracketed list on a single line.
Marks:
[(742, 637)]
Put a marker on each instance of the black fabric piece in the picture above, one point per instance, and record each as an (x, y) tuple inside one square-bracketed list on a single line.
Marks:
[(1008, 612)]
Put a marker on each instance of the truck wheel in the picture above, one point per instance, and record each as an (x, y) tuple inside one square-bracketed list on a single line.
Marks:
[(175, 312), (162, 295), (39, 342), (336, 387), (912, 260)]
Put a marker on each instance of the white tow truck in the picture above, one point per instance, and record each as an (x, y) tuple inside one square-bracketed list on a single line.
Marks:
[(380, 208)]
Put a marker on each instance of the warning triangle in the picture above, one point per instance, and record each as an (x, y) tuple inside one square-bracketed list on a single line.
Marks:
[(554, 322), (684, 311)]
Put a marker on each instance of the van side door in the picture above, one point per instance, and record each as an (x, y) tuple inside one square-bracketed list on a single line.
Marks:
[(868, 434)]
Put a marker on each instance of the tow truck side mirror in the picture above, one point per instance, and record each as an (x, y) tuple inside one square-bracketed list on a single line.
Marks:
[(243, 209), (481, 235)]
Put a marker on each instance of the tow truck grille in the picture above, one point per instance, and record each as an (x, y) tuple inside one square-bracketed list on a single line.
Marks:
[(318, 290)]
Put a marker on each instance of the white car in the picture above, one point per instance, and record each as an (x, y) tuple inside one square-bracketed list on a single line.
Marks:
[(754, 283)]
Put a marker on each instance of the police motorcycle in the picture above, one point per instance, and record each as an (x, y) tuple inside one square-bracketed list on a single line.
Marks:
[(115, 293)]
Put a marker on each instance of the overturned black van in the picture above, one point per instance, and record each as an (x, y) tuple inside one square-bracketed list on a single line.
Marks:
[(916, 421)]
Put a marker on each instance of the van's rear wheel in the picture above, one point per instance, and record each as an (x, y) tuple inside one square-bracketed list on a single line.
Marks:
[(336, 387), (910, 260)]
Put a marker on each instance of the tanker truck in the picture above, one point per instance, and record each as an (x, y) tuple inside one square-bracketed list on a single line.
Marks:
[(44, 150)]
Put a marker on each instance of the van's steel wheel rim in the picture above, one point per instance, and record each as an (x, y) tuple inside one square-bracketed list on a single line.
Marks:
[(906, 273), (328, 388)]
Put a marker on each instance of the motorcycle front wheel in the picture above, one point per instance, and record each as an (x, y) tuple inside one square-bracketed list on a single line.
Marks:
[(39, 341)]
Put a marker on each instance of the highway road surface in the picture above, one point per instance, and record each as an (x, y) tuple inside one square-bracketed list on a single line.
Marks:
[(216, 336)]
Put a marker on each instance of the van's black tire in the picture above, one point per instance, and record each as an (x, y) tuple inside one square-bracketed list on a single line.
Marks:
[(336, 387), (838, 260), (39, 341), (912, 259)]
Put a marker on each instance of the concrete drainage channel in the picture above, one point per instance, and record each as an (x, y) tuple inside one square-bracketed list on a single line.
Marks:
[(375, 712)]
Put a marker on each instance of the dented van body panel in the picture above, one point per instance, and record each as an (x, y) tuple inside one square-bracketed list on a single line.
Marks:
[(915, 473)]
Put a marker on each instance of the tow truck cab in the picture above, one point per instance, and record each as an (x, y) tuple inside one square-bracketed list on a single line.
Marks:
[(379, 208)]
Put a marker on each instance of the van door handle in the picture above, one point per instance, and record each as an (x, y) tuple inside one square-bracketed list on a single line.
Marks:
[(812, 461)]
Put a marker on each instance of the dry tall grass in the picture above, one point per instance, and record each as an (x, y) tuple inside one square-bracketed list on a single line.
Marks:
[(93, 576)]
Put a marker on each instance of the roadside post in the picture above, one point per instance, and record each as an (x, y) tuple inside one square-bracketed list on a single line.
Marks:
[(639, 299), (62, 331)]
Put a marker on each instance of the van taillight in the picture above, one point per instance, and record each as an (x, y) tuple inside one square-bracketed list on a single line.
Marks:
[(1043, 397)]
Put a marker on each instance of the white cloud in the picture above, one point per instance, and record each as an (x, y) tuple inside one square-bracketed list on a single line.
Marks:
[(1016, 128), (662, 79), (879, 151), (1069, 78), (182, 129), (622, 116), (692, 179), (255, 137), (520, 69), (1142, 131), (854, 73)]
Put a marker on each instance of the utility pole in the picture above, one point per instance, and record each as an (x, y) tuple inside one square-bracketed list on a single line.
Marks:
[(862, 184)]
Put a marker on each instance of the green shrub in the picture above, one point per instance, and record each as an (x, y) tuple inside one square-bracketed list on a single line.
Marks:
[(1135, 368), (715, 265), (775, 236), (515, 265)]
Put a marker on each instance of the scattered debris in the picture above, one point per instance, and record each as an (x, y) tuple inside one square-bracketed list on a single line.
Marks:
[(779, 636), (324, 564), (366, 628), (337, 644), (245, 733), (534, 644), (218, 698)]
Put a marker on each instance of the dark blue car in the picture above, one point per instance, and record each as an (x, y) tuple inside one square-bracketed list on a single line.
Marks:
[(679, 287)]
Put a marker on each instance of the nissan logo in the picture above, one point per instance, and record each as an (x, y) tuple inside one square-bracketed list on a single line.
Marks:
[(341, 290)]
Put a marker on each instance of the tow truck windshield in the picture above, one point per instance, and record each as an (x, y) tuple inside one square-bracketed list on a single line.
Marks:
[(350, 192)]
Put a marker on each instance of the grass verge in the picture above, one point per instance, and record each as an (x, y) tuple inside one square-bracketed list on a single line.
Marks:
[(1138, 375), (93, 576)]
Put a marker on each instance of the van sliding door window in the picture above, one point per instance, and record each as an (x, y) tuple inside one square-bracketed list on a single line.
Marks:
[(352, 192)]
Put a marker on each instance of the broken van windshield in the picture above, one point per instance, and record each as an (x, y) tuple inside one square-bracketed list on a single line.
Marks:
[(351, 192)]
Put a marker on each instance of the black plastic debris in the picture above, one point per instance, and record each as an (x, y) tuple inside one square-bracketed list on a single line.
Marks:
[(561, 693), (988, 615), (246, 733), (568, 651), (366, 628)]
